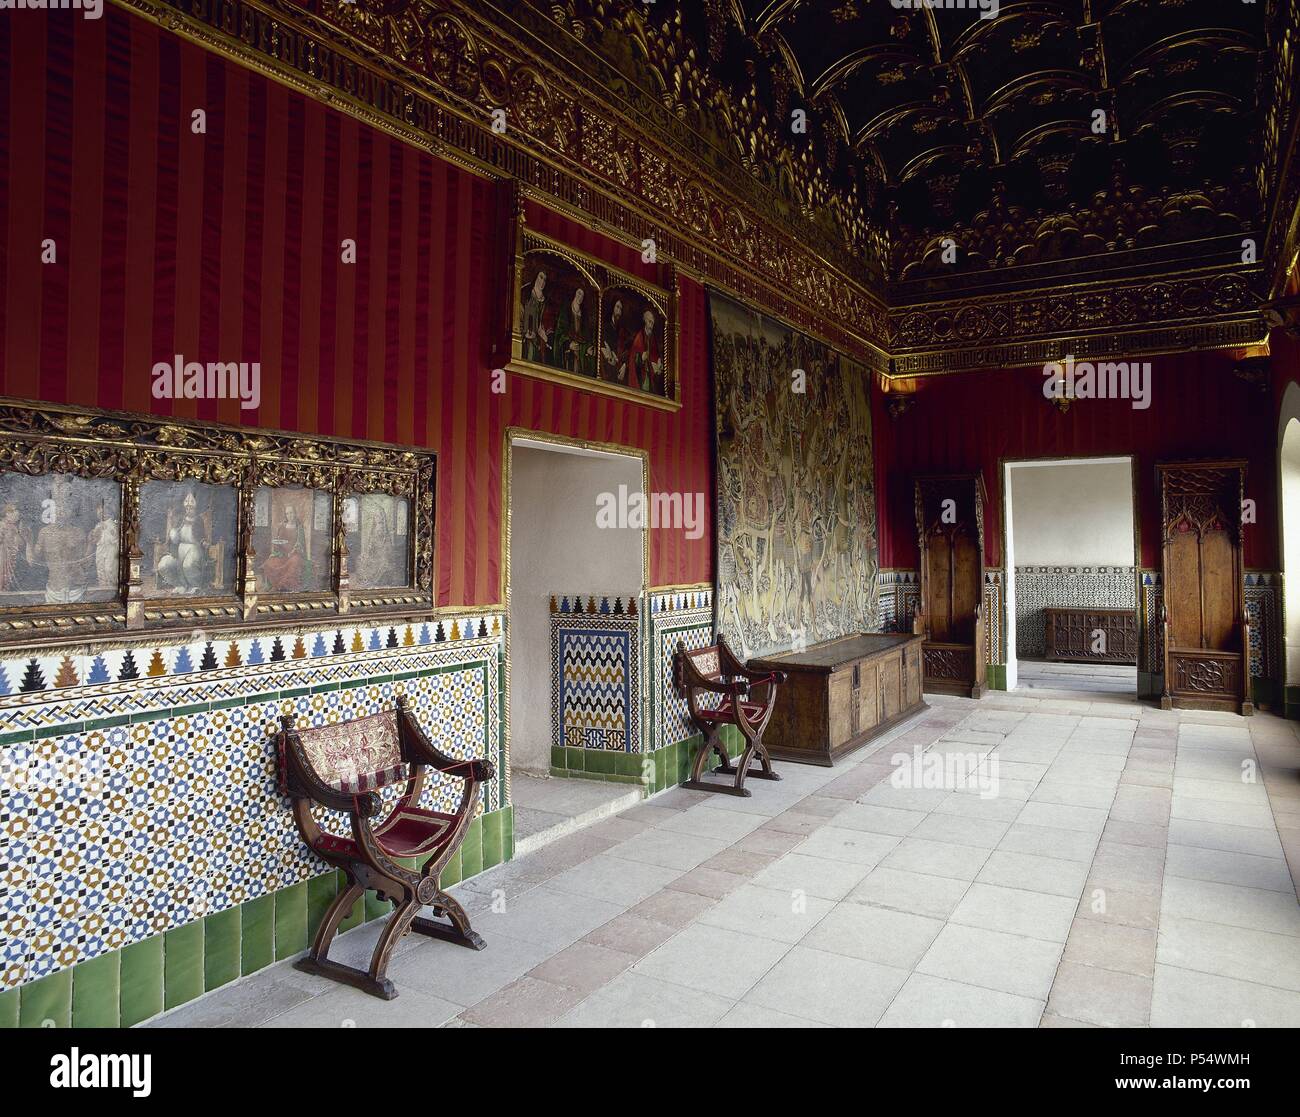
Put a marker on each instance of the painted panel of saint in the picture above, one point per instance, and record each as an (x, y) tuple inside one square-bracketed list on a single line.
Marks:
[(632, 346), (377, 527), (60, 539), (187, 536), (557, 314), (291, 535)]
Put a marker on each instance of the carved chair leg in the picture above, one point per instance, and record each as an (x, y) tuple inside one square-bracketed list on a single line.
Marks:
[(712, 742), (459, 931), (766, 771), (334, 915), (398, 924), (707, 748), (317, 960)]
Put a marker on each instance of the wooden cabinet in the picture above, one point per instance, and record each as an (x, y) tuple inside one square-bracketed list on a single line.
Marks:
[(950, 535), (1072, 635), (841, 694), (1206, 632)]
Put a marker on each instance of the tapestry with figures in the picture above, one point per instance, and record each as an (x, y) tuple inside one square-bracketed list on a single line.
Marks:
[(796, 508)]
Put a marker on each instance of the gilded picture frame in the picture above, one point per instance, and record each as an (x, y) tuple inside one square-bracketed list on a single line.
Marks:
[(586, 324), (163, 564)]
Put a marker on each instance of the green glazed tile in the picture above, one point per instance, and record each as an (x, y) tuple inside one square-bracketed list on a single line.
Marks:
[(291, 920), (97, 992), (49, 998), (375, 907), (450, 873), (492, 842), (142, 980), (559, 757), (182, 964), (599, 760), (221, 947), (508, 833), (471, 850), (573, 759), (257, 934), (9, 1008), (321, 892)]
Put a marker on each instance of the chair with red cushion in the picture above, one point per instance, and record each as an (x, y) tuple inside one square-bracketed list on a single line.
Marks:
[(342, 767), (714, 670)]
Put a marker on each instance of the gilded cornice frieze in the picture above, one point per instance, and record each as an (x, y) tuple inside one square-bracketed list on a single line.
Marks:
[(1211, 309)]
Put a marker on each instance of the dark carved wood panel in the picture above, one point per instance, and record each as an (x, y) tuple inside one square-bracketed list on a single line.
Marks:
[(1072, 635), (950, 534), (1207, 633)]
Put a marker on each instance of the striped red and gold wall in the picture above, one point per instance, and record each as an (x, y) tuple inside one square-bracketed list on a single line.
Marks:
[(226, 245)]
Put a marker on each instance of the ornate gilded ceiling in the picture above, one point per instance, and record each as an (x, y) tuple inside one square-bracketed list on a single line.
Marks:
[(1060, 132), (923, 187)]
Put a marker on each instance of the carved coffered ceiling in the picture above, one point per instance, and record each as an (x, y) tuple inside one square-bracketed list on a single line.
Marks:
[(925, 189), (1075, 135)]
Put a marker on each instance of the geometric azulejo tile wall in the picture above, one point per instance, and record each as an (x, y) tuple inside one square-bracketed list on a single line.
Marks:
[(138, 791), (660, 752), (596, 684)]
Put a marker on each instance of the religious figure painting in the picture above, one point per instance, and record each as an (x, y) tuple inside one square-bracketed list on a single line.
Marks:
[(291, 538), (60, 539), (796, 531), (558, 314), (376, 527), (187, 539), (585, 323), (632, 341)]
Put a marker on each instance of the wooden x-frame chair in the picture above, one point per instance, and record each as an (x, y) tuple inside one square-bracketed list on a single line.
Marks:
[(714, 670), (342, 767)]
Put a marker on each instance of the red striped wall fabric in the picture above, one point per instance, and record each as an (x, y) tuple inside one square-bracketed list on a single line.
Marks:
[(227, 246)]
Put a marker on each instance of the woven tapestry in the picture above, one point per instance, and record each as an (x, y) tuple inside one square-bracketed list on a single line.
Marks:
[(796, 507)]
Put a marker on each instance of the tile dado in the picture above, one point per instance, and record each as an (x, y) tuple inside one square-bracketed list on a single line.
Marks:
[(126, 986), (1044, 587), (134, 807), (596, 684), (663, 618)]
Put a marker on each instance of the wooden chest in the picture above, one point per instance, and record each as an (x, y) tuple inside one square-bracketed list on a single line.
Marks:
[(1072, 635), (841, 694)]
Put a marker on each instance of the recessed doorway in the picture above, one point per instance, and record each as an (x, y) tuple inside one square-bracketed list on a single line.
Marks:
[(1071, 577), (557, 548)]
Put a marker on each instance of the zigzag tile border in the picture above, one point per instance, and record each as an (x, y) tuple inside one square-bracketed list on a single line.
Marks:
[(596, 683)]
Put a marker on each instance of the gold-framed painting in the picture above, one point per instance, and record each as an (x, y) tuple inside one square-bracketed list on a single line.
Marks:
[(116, 522), (578, 321)]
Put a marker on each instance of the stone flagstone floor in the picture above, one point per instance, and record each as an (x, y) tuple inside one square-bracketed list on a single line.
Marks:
[(1125, 874)]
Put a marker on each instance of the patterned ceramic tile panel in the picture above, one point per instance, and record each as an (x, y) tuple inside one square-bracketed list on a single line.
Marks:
[(900, 598), (117, 832), (1264, 611), (1153, 639), (1043, 587), (596, 675), (685, 615), (994, 652)]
